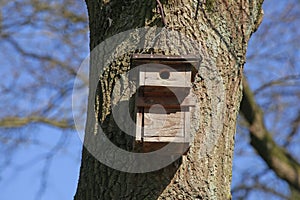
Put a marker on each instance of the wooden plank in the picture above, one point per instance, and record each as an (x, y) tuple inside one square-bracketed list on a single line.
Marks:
[(166, 89), (164, 139), (179, 59), (138, 132), (167, 110), (179, 62), (176, 79), (160, 91), (187, 126), (164, 125), (156, 67), (170, 102), (176, 66), (141, 77)]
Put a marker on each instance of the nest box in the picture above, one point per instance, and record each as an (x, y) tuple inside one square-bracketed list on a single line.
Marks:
[(163, 101)]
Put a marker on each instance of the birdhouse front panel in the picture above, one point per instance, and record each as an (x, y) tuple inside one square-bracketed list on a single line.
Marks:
[(160, 122), (161, 75)]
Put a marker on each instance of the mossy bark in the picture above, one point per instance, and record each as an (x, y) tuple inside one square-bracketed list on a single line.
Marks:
[(223, 31)]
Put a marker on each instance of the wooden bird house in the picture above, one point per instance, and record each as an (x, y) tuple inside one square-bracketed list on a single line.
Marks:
[(163, 101)]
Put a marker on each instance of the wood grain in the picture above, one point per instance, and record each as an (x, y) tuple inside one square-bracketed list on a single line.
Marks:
[(164, 125)]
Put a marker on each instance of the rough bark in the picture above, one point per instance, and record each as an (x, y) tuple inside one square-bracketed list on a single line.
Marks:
[(223, 28)]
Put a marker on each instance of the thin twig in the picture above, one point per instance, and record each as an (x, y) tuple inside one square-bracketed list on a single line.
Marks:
[(199, 3), (161, 11)]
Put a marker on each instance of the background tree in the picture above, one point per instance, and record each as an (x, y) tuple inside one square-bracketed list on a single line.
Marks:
[(275, 115)]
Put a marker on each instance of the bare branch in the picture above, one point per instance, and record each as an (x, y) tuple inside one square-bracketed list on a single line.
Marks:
[(258, 186), (63, 65), (280, 81), (276, 157), (295, 127), (16, 122)]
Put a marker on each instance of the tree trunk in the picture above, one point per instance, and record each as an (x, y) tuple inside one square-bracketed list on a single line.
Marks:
[(222, 28)]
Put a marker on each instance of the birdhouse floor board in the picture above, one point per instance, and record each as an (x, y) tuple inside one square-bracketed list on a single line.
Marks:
[(164, 139)]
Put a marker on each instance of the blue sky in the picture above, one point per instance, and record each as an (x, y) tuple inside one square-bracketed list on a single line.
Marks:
[(25, 174)]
